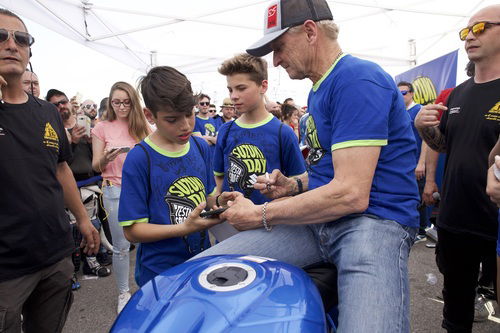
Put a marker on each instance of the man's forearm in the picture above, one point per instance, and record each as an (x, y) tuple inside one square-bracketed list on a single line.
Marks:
[(434, 138), (431, 160)]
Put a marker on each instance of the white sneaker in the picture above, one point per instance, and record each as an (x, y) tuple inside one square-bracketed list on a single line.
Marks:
[(122, 301)]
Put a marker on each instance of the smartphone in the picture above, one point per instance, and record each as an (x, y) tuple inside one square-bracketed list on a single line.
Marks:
[(84, 121), (124, 149), (214, 212)]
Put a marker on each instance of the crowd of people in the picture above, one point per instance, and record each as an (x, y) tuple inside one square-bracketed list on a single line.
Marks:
[(344, 180)]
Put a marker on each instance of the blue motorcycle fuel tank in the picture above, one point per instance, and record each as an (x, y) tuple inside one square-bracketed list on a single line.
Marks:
[(229, 293)]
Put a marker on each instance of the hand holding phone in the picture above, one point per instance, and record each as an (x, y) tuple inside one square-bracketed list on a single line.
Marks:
[(213, 212), (84, 121)]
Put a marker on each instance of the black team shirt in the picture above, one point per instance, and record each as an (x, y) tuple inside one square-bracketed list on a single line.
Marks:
[(34, 229), (471, 126)]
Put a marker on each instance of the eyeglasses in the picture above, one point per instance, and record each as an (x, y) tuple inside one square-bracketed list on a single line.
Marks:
[(90, 106), (476, 29), (61, 102), (211, 111), (204, 103), (404, 92), (23, 39), (117, 102)]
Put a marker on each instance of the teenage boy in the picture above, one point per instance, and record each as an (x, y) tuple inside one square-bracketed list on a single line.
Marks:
[(167, 179), (256, 142)]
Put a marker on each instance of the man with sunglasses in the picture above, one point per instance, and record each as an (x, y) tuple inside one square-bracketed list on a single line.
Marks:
[(35, 238), (30, 83), (89, 108), (205, 124), (406, 89), (467, 131)]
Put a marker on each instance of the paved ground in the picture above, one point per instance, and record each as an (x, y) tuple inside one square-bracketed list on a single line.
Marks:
[(94, 309)]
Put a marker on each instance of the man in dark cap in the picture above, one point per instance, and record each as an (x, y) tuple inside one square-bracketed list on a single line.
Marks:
[(362, 217)]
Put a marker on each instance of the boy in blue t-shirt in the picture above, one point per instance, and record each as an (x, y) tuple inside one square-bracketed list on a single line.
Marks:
[(256, 142), (167, 180)]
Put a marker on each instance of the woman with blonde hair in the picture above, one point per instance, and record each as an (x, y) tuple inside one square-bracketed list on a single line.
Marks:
[(112, 138)]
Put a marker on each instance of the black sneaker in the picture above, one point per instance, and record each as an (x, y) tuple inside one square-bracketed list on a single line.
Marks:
[(92, 267), (104, 258)]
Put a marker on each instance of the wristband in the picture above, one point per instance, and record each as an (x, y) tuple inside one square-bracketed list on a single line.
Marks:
[(300, 188), (217, 200), (264, 221)]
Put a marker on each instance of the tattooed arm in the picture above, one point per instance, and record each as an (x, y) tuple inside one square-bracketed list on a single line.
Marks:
[(427, 123), (434, 138)]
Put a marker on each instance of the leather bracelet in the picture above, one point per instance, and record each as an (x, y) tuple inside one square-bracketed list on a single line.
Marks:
[(217, 200), (300, 187), (264, 221)]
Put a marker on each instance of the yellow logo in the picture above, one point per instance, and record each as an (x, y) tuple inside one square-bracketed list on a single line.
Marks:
[(316, 152), (425, 91), (50, 137), (493, 113), (183, 196), (50, 134), (210, 130)]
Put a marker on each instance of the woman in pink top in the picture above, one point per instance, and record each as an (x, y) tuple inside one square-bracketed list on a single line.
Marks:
[(111, 139)]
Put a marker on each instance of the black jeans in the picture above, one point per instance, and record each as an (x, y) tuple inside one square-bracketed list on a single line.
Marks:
[(458, 256)]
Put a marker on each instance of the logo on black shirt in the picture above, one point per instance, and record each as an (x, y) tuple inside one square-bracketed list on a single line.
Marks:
[(183, 196), (50, 138), (493, 113), (2, 131), (246, 163)]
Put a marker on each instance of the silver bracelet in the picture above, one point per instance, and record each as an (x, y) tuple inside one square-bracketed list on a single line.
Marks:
[(264, 221)]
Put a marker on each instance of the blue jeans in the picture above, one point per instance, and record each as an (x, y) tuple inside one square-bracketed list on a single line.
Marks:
[(121, 246), (371, 256)]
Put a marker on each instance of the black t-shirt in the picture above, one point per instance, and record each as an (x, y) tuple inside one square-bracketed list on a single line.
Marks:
[(471, 126), (34, 228), (81, 159)]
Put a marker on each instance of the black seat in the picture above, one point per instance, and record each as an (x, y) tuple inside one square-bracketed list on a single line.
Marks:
[(324, 276)]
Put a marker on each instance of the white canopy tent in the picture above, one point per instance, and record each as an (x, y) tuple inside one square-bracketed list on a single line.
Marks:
[(195, 36)]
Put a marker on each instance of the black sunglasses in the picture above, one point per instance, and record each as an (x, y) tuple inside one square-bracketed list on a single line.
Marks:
[(21, 38), (63, 102), (89, 106), (205, 103)]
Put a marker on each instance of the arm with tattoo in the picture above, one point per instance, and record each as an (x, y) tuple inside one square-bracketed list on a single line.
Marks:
[(434, 138)]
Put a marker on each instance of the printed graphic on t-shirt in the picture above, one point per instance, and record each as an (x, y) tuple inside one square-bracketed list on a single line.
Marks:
[(183, 196), (493, 113), (246, 163), (316, 152), (210, 129), (50, 137)]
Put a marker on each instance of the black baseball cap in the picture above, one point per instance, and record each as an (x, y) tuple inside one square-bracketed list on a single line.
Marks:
[(282, 15)]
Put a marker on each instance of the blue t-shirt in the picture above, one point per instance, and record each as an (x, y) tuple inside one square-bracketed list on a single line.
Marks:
[(357, 104), (205, 126), (412, 112), (248, 151), (165, 192)]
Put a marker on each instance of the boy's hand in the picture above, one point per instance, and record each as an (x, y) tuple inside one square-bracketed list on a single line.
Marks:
[(196, 223)]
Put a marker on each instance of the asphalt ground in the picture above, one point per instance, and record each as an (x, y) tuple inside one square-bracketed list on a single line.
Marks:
[(94, 307)]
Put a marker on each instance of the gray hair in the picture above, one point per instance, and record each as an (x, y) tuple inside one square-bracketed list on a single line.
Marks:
[(329, 27)]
